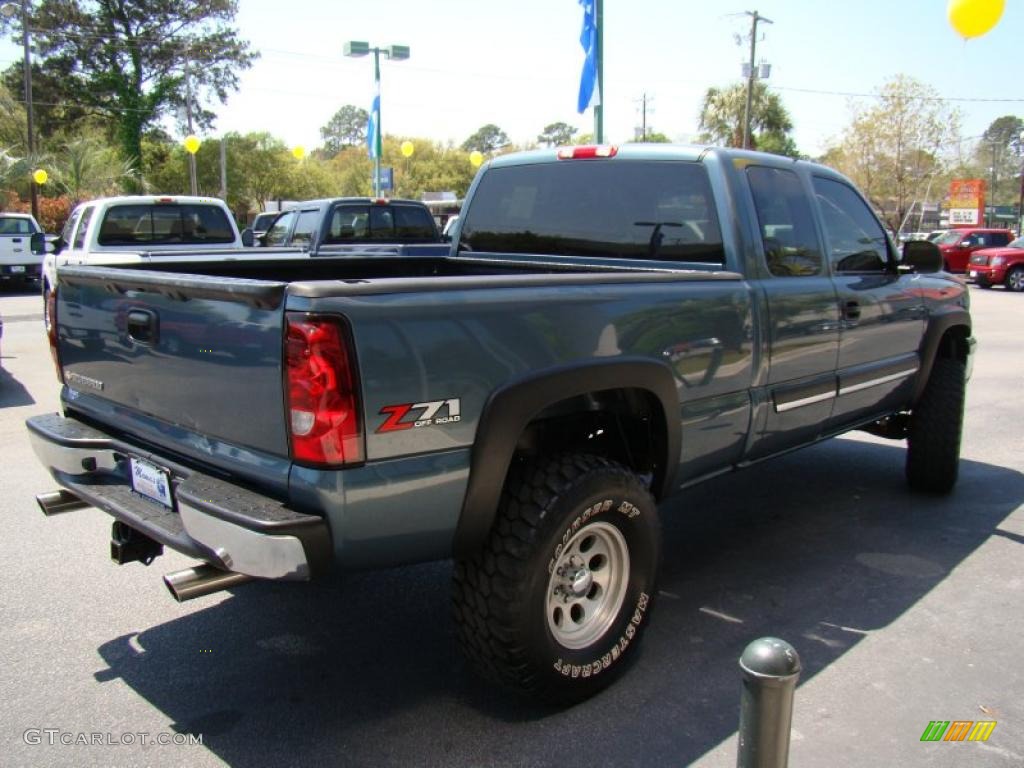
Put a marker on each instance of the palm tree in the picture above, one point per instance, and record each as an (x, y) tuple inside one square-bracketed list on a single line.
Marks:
[(721, 118), (85, 168)]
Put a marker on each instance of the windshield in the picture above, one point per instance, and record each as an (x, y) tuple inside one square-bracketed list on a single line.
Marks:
[(950, 238)]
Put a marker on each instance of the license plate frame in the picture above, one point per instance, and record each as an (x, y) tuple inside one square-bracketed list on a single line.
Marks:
[(151, 481)]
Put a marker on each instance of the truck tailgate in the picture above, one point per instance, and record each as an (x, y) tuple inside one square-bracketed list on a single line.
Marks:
[(196, 359)]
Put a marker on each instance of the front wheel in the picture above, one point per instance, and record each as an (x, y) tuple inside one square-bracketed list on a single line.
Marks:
[(933, 440), (555, 602), (1015, 280)]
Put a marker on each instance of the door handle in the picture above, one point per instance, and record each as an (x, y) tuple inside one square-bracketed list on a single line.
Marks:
[(851, 310), (143, 326)]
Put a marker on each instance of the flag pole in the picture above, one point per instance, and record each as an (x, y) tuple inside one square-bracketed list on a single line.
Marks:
[(599, 107), (377, 139)]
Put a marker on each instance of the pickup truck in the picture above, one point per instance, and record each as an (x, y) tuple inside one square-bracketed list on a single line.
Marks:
[(17, 262), (137, 228), (357, 223), (611, 326)]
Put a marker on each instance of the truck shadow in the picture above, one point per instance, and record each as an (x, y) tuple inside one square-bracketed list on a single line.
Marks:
[(820, 547), (12, 391)]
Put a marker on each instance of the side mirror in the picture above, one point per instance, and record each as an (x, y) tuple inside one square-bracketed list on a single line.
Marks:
[(248, 238), (963, 245), (41, 243), (921, 256)]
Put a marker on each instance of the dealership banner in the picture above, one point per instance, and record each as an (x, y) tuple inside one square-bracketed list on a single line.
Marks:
[(966, 202)]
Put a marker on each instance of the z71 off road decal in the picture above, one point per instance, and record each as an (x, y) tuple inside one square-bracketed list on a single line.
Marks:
[(413, 415)]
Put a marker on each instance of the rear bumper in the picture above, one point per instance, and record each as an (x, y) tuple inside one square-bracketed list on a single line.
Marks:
[(29, 271), (225, 524)]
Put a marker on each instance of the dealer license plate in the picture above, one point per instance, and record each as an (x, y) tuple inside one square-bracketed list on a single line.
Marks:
[(152, 482), (17, 269)]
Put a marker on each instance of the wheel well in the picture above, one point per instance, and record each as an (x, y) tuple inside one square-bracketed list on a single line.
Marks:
[(625, 425), (954, 344)]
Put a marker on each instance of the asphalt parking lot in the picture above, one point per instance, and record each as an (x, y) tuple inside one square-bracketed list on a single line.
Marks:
[(904, 608)]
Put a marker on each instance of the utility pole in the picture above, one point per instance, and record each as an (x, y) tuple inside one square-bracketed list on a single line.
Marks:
[(642, 101), (992, 189), (752, 74)]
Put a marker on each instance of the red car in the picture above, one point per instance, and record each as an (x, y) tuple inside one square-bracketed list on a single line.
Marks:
[(999, 265), (957, 245)]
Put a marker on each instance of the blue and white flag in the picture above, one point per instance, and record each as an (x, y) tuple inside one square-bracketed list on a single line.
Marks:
[(588, 39), (373, 124)]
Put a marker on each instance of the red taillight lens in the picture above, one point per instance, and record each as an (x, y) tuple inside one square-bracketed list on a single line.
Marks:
[(51, 332), (324, 417), (587, 153)]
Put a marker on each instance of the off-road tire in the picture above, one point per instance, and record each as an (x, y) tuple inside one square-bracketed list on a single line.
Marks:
[(1015, 280), (933, 442), (555, 602)]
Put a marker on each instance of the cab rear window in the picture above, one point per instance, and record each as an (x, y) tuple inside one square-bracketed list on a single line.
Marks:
[(146, 224), (662, 210), (367, 222)]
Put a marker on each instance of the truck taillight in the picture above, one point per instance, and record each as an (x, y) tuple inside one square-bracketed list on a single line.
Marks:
[(51, 332), (324, 417)]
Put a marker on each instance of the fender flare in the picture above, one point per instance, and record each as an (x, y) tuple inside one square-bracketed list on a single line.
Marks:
[(511, 408), (938, 326)]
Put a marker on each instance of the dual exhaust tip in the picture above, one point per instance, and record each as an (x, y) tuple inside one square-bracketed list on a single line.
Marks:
[(188, 584)]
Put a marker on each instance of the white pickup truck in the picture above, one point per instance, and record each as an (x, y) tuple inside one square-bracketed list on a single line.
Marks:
[(17, 262), (136, 229)]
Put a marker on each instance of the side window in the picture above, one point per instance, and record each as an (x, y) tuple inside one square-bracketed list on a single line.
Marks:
[(69, 226), (304, 227), (856, 241), (999, 239), (791, 246), (83, 225), (278, 233)]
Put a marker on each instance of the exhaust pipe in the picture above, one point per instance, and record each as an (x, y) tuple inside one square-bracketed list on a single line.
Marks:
[(55, 502), (201, 580)]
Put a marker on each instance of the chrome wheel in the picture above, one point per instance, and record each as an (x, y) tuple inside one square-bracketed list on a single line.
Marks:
[(587, 586), (1015, 280)]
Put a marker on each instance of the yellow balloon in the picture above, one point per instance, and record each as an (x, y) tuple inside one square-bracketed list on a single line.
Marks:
[(299, 152), (407, 149), (192, 144), (973, 18), (39, 176), (475, 158)]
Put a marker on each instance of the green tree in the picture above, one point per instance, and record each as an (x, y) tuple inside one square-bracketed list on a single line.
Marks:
[(345, 129), (127, 60), (722, 114), (12, 120), (653, 137), (892, 149), (487, 139), (556, 135), (86, 167), (999, 156)]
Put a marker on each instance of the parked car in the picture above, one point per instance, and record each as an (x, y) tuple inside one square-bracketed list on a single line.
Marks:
[(346, 221), (263, 222), (17, 262), (957, 245), (991, 266), (935, 234)]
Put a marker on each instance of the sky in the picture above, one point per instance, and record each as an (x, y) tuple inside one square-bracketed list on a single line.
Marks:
[(517, 64)]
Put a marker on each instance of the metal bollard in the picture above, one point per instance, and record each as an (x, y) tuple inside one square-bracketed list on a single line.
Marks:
[(770, 668)]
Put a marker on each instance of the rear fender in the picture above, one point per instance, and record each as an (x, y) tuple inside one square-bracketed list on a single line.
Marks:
[(510, 409)]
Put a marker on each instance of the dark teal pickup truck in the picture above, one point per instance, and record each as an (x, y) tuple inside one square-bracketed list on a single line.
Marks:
[(611, 326)]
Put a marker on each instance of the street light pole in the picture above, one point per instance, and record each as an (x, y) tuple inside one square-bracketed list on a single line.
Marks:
[(357, 48), (9, 10)]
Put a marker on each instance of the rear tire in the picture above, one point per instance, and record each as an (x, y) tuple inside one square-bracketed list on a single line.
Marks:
[(933, 442), (555, 602), (1015, 280)]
